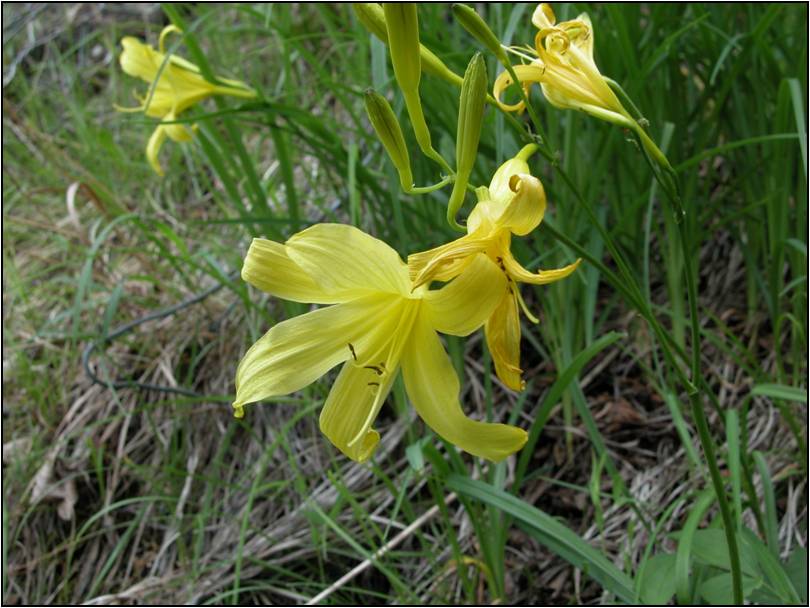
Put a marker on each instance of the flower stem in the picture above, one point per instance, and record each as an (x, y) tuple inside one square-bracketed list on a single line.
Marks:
[(667, 177), (432, 188)]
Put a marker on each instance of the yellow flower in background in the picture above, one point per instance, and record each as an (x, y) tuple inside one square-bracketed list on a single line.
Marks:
[(565, 69), (376, 325), (514, 203), (175, 86)]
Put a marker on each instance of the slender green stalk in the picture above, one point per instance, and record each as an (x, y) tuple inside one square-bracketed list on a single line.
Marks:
[(666, 177), (428, 189), (706, 441)]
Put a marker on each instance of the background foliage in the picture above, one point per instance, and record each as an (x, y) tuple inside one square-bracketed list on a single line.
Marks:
[(113, 490)]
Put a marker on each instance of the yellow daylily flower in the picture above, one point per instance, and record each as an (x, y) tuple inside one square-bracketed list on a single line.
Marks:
[(376, 325), (179, 86), (514, 203), (564, 66)]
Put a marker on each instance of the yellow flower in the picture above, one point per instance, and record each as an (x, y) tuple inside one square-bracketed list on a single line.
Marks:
[(514, 203), (178, 87), (565, 68), (376, 325)]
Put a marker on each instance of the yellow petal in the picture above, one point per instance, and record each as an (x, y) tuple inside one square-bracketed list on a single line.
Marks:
[(298, 351), (446, 261), (169, 29), (268, 267), (139, 59), (499, 187), (178, 132), (433, 388), (342, 258), (462, 306), (528, 205), (503, 340), (543, 17), (581, 61), (526, 74), (584, 39), (347, 408), (363, 384), (153, 148), (482, 218), (541, 277)]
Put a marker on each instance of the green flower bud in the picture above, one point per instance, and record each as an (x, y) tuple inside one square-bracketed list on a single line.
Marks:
[(478, 28), (470, 119), (402, 22), (372, 16), (388, 130)]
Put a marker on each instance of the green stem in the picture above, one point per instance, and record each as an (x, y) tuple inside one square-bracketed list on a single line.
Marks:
[(670, 187), (624, 97), (428, 189), (525, 99), (690, 272), (236, 92), (722, 499), (420, 129)]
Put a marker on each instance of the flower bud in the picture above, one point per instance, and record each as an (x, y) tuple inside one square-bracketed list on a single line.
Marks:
[(372, 16), (470, 119), (402, 23), (478, 29), (388, 130)]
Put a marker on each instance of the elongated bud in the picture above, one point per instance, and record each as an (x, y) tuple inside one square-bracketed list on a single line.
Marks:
[(372, 16), (470, 118), (478, 29), (388, 130), (402, 24)]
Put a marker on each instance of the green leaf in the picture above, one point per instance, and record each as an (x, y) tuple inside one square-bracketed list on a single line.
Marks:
[(550, 533), (775, 574), (658, 584), (709, 547), (717, 590), (796, 568), (771, 522), (553, 396), (780, 391), (684, 553)]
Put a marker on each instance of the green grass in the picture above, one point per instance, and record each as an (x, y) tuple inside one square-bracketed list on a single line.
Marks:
[(167, 498)]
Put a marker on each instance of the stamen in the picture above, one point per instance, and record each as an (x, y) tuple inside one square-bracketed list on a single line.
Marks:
[(525, 308), (376, 369), (354, 354), (514, 50)]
